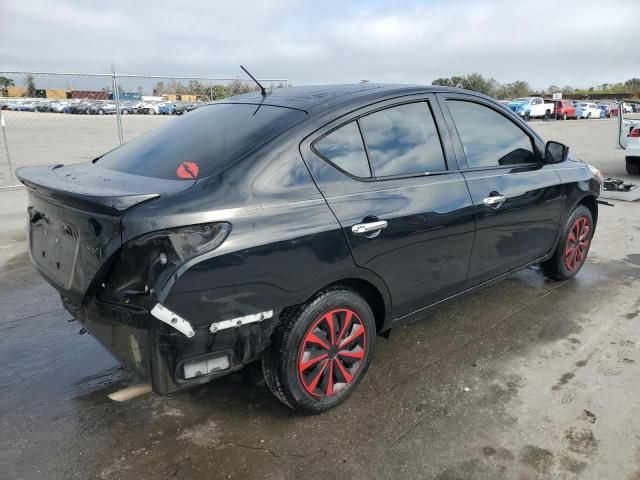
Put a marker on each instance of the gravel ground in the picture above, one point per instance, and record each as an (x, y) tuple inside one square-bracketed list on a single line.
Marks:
[(528, 379)]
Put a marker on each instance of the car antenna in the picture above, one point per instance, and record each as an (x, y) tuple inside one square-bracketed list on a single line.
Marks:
[(263, 90)]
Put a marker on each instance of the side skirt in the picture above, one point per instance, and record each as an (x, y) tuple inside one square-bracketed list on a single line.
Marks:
[(410, 316)]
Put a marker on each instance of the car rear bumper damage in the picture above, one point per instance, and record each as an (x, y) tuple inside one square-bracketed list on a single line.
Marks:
[(169, 352)]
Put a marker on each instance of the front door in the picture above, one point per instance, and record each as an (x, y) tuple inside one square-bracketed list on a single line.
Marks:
[(407, 216), (517, 199)]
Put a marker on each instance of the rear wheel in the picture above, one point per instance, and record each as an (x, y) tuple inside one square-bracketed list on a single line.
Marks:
[(320, 351), (573, 246)]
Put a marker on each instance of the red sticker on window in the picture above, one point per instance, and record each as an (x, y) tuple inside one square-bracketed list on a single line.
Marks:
[(187, 171)]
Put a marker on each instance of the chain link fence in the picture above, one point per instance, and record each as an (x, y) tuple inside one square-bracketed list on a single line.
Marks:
[(53, 118)]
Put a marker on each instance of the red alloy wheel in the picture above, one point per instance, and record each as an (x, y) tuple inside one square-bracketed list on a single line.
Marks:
[(332, 352), (577, 245)]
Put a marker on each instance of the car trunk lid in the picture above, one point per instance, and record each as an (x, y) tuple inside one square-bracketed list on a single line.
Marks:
[(74, 219)]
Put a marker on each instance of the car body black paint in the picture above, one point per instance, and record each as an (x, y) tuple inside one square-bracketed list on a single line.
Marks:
[(291, 214)]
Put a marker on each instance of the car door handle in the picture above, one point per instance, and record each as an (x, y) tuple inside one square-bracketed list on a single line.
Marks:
[(494, 201), (369, 227)]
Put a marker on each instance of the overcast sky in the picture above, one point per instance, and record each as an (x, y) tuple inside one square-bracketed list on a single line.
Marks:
[(545, 42)]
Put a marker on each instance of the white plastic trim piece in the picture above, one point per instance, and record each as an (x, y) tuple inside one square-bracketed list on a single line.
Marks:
[(165, 315), (130, 392), (239, 321)]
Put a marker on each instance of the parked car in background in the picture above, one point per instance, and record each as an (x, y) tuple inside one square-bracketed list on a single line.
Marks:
[(58, 106), (531, 107), (167, 108), (589, 110), (605, 107), (296, 231), (603, 112), (563, 109), (629, 141), (149, 108), (628, 108), (613, 109)]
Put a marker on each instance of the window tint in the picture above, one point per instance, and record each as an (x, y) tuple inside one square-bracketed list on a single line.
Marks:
[(202, 142), (344, 148), (403, 140), (488, 138)]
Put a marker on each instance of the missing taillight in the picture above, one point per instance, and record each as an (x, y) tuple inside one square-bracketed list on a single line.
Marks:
[(634, 133)]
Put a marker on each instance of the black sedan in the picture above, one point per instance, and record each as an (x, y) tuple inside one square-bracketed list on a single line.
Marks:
[(296, 227)]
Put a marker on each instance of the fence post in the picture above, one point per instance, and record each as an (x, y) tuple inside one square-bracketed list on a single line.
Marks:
[(116, 97), (6, 145)]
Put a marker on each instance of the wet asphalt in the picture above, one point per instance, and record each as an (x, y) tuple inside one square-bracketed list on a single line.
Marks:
[(527, 379)]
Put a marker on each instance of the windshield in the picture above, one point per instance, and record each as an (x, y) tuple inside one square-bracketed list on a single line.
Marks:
[(521, 100), (201, 142)]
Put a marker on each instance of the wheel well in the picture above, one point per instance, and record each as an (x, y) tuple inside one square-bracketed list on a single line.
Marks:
[(367, 290), (370, 293), (592, 205)]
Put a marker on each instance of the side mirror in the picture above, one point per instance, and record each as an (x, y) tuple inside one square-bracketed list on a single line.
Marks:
[(555, 152)]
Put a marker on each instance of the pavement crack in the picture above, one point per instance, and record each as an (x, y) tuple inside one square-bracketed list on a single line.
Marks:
[(274, 453)]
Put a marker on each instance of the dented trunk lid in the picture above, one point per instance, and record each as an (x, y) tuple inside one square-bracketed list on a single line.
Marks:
[(75, 219)]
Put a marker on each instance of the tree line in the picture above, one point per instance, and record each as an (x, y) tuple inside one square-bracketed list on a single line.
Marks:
[(472, 81), (520, 88)]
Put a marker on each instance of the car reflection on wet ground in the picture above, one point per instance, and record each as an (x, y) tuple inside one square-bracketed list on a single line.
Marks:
[(527, 379)]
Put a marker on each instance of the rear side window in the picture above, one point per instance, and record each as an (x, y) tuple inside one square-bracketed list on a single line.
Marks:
[(488, 138), (344, 148), (201, 143), (403, 140)]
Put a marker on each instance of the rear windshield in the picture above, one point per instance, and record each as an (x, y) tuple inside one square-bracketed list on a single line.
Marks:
[(201, 142)]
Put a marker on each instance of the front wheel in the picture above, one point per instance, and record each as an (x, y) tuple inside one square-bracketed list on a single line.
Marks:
[(573, 247), (633, 165), (320, 351)]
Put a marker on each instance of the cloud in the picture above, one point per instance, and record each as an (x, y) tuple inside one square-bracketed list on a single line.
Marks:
[(572, 42)]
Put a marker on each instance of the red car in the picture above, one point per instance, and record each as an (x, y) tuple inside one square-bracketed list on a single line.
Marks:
[(564, 109)]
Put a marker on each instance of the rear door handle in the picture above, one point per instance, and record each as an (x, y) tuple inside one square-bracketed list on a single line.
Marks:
[(369, 227), (494, 201)]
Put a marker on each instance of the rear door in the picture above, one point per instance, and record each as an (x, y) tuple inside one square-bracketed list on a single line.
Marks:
[(517, 200), (388, 172)]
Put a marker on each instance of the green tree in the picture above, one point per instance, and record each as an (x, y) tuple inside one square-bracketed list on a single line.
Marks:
[(218, 92), (473, 81), (6, 82), (30, 83), (633, 84), (158, 90)]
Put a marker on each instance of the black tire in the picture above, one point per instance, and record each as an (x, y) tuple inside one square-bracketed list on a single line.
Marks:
[(558, 267), (588, 115), (633, 166), (527, 116), (282, 360)]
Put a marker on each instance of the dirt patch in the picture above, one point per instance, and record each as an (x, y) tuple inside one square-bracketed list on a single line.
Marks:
[(499, 453), (572, 465), (563, 380), (538, 458), (581, 440), (588, 416)]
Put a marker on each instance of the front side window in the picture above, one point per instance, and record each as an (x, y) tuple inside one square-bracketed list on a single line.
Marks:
[(344, 148), (403, 140), (488, 138)]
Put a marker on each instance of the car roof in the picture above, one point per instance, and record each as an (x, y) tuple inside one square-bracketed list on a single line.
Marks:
[(315, 98)]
